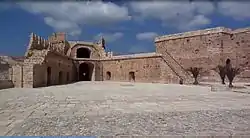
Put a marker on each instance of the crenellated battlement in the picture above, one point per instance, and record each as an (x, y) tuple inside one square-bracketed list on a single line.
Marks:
[(38, 43), (57, 37)]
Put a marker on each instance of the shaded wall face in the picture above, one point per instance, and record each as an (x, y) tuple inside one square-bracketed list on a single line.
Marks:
[(145, 69), (242, 44), (57, 64), (5, 76), (5, 72)]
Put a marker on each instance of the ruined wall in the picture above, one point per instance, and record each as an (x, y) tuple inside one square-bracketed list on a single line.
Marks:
[(146, 69), (57, 37), (206, 48), (42, 54), (10, 71), (61, 71), (36, 58), (17, 76), (5, 76)]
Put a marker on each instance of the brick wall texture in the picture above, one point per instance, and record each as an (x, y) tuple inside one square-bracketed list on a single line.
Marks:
[(58, 61)]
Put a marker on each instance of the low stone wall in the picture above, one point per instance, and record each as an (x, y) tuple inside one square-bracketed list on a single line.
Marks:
[(4, 71), (4, 84), (5, 76)]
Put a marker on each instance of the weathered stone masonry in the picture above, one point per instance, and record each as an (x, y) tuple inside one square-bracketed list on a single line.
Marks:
[(58, 61), (207, 49)]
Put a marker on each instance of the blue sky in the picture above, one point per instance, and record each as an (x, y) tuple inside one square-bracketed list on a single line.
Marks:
[(128, 27)]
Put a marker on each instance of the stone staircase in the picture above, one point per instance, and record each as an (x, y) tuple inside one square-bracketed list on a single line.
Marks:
[(177, 68)]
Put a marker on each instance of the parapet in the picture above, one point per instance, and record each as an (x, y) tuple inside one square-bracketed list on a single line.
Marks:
[(139, 55), (241, 30), (57, 37), (194, 33)]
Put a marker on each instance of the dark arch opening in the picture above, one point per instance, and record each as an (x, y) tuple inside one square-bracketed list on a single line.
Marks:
[(85, 71), (48, 76), (228, 61), (67, 77), (60, 77), (108, 75), (83, 53), (131, 76)]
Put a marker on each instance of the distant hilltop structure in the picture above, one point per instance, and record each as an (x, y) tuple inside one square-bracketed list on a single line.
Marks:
[(57, 60)]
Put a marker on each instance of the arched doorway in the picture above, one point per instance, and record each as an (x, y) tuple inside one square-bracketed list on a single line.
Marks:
[(60, 77), (67, 77), (131, 76), (108, 75), (83, 53), (85, 71), (228, 61), (48, 76)]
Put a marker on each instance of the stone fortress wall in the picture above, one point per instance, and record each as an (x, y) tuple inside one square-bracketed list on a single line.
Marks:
[(207, 49), (58, 61)]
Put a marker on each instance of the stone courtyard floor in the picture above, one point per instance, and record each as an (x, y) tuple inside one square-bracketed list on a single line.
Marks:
[(115, 108)]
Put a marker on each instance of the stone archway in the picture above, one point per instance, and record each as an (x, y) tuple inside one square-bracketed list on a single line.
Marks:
[(60, 77), (131, 76), (83, 52), (48, 76), (228, 61), (85, 71), (108, 75)]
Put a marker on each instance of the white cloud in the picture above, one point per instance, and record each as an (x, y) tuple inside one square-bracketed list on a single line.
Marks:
[(183, 15), (237, 10), (199, 20), (146, 36), (177, 14), (66, 26), (109, 37), (70, 16)]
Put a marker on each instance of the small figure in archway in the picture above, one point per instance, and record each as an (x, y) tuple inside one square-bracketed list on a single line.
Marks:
[(228, 64)]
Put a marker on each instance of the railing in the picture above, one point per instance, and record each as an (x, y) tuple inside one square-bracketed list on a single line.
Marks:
[(171, 67), (178, 63), (182, 76)]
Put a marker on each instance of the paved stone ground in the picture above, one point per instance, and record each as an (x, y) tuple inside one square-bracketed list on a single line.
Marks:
[(112, 108)]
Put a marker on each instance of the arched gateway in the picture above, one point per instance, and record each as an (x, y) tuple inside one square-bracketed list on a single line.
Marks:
[(85, 71)]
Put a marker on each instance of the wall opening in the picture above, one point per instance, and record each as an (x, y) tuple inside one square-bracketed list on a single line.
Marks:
[(60, 77), (131, 76), (85, 71), (67, 76), (48, 76), (108, 75), (83, 53), (228, 61)]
